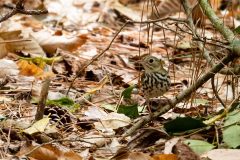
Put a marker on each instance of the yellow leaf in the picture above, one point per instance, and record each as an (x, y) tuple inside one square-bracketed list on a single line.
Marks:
[(38, 126), (28, 68)]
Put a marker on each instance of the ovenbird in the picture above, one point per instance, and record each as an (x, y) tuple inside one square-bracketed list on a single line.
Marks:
[(155, 79)]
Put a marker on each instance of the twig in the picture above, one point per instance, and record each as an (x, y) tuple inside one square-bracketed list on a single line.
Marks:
[(4, 81), (27, 11), (19, 8), (14, 40), (43, 98), (217, 135), (216, 92)]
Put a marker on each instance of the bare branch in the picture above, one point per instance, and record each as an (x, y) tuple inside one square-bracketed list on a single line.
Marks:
[(19, 8)]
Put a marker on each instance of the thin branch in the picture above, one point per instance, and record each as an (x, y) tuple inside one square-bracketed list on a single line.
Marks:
[(5, 81), (43, 98), (216, 92), (19, 8)]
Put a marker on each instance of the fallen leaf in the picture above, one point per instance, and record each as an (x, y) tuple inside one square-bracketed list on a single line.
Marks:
[(165, 157), (50, 43), (128, 155), (18, 40), (112, 121), (48, 152), (28, 68), (38, 126), (8, 67), (222, 154), (3, 49)]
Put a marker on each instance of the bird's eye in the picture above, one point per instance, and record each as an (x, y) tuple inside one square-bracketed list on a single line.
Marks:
[(151, 60)]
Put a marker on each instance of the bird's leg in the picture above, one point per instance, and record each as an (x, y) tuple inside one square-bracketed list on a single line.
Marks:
[(147, 104)]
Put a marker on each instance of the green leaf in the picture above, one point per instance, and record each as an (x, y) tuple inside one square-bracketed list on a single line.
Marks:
[(64, 101), (231, 136), (198, 146), (232, 118), (2, 117), (131, 111), (127, 92), (181, 124), (237, 30)]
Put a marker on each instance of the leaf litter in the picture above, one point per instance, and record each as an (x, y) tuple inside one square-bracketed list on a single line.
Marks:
[(77, 31)]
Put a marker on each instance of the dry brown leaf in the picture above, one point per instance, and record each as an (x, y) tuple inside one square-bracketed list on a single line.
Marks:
[(50, 43), (112, 121), (28, 68), (173, 6), (184, 152), (8, 67), (3, 49), (16, 41), (48, 152), (165, 157), (170, 7), (139, 156), (222, 154), (70, 64), (127, 11), (132, 156), (33, 23)]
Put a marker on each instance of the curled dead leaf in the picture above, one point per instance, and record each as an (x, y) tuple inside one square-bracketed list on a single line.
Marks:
[(132, 156), (50, 43), (16, 41), (28, 68), (8, 67), (48, 152)]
